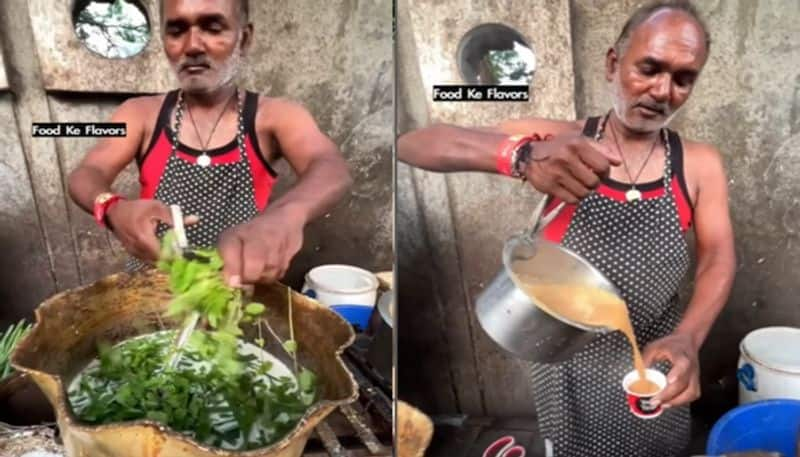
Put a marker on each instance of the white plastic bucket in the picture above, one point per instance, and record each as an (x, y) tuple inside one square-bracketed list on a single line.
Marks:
[(341, 285), (769, 364)]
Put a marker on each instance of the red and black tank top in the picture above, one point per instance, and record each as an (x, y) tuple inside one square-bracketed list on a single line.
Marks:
[(152, 164)]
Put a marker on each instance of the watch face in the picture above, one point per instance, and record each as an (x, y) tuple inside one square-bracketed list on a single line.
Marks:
[(523, 157), (102, 198)]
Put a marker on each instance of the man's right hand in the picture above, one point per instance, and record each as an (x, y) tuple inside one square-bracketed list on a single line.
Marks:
[(134, 224), (569, 166)]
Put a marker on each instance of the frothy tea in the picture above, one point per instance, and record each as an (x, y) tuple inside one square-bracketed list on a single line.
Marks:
[(591, 306), (644, 387)]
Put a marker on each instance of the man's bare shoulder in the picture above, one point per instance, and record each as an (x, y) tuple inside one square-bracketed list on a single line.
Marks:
[(277, 105), (142, 107), (278, 110), (700, 154), (703, 166), (540, 126)]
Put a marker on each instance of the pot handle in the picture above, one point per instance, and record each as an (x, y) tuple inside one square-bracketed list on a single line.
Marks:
[(537, 222), (310, 293), (746, 375)]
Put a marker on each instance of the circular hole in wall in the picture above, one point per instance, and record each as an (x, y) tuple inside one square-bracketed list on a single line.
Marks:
[(116, 29), (495, 54)]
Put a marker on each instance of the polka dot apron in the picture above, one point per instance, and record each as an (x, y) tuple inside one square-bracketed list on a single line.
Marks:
[(221, 194), (580, 403)]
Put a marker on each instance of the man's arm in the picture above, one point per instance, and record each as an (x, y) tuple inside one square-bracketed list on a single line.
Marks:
[(261, 250), (448, 148), (108, 157), (568, 166), (134, 221), (716, 258), (716, 267), (322, 173)]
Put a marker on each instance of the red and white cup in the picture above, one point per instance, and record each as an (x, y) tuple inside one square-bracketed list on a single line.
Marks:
[(640, 404)]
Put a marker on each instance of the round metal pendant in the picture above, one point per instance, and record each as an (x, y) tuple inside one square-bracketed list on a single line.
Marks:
[(204, 160), (633, 195)]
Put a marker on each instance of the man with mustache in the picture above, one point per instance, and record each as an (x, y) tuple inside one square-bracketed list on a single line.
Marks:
[(633, 189), (210, 148)]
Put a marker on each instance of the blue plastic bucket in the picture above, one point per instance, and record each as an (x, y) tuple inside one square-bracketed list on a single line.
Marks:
[(769, 425), (357, 315)]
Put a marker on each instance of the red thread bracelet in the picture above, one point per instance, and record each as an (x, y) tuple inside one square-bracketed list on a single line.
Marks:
[(101, 208), (506, 150)]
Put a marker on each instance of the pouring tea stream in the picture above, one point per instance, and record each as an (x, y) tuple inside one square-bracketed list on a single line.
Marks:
[(547, 302)]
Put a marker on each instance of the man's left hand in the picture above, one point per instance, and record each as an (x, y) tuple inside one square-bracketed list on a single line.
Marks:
[(683, 379), (260, 250)]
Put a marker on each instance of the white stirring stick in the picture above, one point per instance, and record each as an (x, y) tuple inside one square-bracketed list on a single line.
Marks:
[(178, 227)]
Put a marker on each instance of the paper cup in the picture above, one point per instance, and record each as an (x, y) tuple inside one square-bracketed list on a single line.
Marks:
[(640, 404)]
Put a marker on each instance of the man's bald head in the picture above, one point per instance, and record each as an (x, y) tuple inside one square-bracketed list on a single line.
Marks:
[(646, 12), (244, 10)]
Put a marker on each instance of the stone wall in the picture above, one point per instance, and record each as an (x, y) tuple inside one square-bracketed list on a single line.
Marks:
[(451, 228)]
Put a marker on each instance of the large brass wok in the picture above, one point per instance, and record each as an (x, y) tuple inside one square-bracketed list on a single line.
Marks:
[(71, 324)]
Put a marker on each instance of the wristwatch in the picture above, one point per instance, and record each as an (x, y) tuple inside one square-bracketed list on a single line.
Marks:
[(102, 203), (507, 153), (521, 157)]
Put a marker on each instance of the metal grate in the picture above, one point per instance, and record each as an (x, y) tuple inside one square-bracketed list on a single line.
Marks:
[(364, 428)]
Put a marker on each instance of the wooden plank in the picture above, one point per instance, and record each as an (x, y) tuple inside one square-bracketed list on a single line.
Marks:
[(96, 256), (425, 377), (3, 78), (424, 372), (485, 220), (455, 319), (485, 210), (44, 165), (507, 388), (27, 278), (427, 194)]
